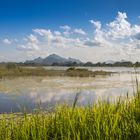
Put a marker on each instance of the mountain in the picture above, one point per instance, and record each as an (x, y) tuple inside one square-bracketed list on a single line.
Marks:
[(123, 60), (74, 60), (53, 59), (38, 60)]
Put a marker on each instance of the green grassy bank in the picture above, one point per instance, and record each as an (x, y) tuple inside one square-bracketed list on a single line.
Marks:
[(101, 121)]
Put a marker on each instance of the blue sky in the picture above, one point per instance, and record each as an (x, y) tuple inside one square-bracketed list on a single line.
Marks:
[(20, 19), (18, 16)]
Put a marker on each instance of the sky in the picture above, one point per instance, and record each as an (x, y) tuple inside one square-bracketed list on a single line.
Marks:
[(89, 30)]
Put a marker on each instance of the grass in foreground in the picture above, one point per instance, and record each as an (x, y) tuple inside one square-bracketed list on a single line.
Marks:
[(102, 121)]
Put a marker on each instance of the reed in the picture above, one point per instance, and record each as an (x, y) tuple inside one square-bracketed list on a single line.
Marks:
[(16, 71)]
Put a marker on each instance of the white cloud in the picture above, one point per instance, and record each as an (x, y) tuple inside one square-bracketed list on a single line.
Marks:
[(120, 36), (57, 33), (116, 40), (30, 45), (67, 33), (32, 38), (43, 32), (120, 27), (121, 16), (79, 31), (97, 24), (7, 41), (65, 27)]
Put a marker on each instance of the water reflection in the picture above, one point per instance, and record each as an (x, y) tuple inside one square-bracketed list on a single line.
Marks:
[(17, 94)]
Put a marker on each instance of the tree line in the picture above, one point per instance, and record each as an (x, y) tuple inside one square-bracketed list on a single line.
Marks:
[(70, 64)]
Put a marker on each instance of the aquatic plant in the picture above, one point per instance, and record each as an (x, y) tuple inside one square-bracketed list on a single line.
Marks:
[(12, 70)]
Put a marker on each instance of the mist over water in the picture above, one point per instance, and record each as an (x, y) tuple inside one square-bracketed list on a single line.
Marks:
[(28, 92)]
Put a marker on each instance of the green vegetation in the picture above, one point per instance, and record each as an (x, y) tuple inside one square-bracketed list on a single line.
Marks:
[(89, 64), (13, 70), (122, 63), (101, 121), (81, 72)]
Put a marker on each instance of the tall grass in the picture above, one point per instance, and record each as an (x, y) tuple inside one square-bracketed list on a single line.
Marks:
[(101, 121)]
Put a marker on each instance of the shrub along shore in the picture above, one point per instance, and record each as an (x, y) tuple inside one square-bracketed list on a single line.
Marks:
[(15, 71)]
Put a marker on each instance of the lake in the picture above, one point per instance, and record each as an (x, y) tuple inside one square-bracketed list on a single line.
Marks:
[(27, 93)]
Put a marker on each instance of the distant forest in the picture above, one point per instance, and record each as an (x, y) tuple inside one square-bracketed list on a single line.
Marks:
[(74, 64)]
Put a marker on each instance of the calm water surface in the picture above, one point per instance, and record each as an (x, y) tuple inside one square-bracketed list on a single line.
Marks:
[(29, 92)]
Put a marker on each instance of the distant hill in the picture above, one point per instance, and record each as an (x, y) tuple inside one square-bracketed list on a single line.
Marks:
[(38, 60), (53, 59), (56, 60)]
